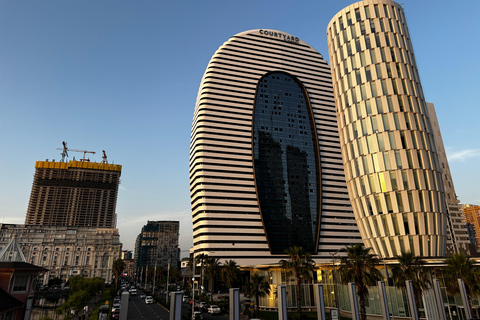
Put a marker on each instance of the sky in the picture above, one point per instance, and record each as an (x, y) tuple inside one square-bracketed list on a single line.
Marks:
[(123, 76)]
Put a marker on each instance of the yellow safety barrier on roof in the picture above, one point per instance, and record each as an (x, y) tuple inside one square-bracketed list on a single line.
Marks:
[(78, 164)]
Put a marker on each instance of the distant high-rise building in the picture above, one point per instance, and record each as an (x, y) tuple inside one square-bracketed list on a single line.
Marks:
[(74, 193), (266, 171), (472, 215), (457, 237), (391, 164), (157, 245), (127, 254)]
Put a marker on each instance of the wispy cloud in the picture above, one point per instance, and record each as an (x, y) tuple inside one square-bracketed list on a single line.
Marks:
[(462, 155)]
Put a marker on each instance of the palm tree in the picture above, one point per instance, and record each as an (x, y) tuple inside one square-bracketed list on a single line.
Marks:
[(230, 272), (359, 267), (301, 265), (117, 270), (257, 287), (190, 265), (174, 275), (411, 268), (212, 269), (201, 259), (460, 266)]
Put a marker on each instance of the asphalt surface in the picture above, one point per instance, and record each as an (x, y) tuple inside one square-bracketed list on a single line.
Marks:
[(139, 310)]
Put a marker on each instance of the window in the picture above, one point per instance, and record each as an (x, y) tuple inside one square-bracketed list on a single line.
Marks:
[(20, 283)]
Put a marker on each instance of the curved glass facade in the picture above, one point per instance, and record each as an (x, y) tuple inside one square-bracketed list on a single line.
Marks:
[(391, 163), (285, 163), (252, 198)]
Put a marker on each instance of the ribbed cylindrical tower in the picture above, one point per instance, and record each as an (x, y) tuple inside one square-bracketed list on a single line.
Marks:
[(391, 164)]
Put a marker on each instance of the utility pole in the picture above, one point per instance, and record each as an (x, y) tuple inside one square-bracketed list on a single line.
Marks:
[(154, 276)]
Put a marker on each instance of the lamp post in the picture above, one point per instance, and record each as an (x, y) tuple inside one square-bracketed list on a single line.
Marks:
[(154, 278), (193, 284), (168, 276), (335, 294)]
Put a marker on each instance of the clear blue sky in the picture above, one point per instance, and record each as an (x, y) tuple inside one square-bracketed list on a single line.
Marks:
[(123, 76)]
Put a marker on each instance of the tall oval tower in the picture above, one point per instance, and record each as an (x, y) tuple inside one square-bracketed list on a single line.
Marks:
[(266, 169), (391, 164)]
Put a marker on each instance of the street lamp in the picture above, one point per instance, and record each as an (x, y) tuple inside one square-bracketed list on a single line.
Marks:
[(335, 294)]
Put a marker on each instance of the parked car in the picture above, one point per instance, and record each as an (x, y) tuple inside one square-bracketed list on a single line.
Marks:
[(116, 314), (115, 306), (203, 306), (197, 315), (214, 309), (148, 299)]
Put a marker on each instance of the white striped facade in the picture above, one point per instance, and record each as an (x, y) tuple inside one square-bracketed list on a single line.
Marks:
[(391, 162), (227, 222)]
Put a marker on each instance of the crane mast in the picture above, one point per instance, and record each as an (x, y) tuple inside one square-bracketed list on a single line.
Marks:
[(65, 150)]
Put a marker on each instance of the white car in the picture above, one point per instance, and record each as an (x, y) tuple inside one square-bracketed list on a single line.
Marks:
[(148, 299), (116, 306), (214, 309)]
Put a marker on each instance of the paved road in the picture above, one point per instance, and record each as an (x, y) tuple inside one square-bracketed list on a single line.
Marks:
[(206, 316), (139, 310)]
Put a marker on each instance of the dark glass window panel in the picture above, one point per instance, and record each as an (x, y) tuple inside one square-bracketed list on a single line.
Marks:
[(285, 162)]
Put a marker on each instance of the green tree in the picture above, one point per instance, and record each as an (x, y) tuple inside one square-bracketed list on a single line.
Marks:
[(212, 270), (257, 287), (460, 266), (81, 291), (411, 267), (230, 272), (301, 265), (117, 270), (359, 267)]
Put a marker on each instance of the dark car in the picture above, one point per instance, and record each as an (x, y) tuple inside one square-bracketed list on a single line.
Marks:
[(116, 314)]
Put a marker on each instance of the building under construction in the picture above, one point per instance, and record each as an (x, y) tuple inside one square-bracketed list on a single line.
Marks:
[(74, 193)]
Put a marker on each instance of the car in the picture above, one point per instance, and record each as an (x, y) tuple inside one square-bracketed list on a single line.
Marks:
[(214, 309), (116, 314), (197, 315), (115, 307), (203, 306), (142, 295), (133, 292), (148, 299)]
